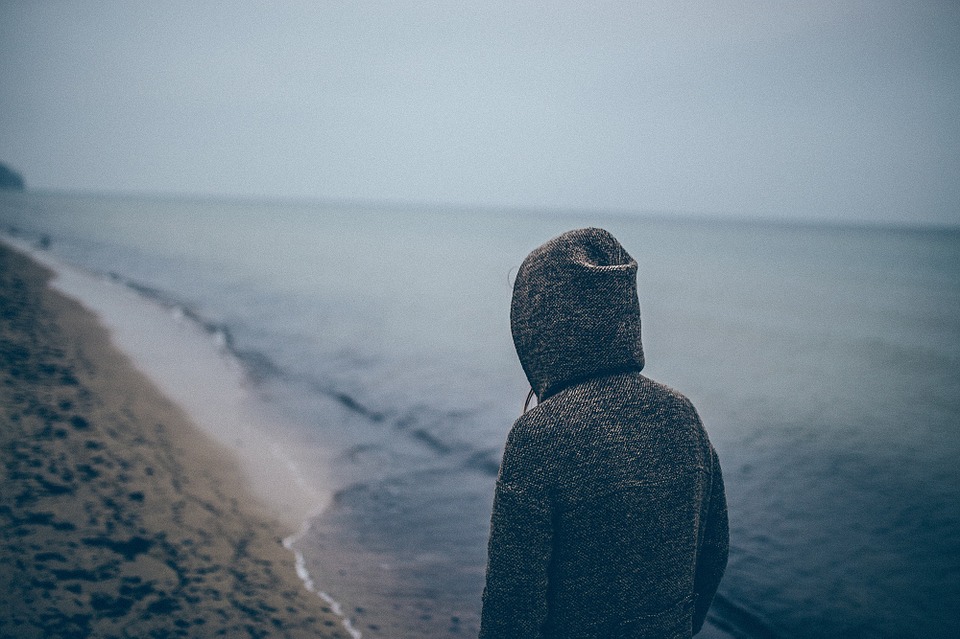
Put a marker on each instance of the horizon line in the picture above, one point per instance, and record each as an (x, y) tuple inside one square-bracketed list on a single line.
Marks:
[(714, 217)]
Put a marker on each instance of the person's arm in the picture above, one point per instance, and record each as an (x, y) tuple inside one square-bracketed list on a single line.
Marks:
[(514, 599), (712, 558)]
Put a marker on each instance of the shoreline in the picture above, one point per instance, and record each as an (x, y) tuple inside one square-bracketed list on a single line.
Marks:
[(119, 515), (177, 355)]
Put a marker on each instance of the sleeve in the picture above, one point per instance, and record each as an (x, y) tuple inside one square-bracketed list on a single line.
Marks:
[(712, 557), (514, 598)]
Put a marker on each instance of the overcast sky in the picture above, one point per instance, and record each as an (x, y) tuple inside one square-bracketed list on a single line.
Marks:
[(836, 109)]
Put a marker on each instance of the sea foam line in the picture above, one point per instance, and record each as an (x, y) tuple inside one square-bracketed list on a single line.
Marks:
[(304, 574)]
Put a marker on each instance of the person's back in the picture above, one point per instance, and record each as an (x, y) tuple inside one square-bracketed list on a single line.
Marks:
[(609, 518)]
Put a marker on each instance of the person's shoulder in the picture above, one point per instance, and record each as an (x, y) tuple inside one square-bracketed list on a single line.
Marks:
[(532, 423), (541, 428), (667, 397), (667, 392), (531, 443)]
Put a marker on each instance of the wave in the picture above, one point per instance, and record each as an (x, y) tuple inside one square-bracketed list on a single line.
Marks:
[(419, 422)]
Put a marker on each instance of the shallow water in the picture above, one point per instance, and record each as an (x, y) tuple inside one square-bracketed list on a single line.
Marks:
[(824, 362)]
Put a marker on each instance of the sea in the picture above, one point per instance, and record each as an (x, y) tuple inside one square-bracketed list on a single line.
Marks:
[(824, 360)]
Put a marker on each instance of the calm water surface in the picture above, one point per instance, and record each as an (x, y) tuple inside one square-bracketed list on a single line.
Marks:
[(824, 361)]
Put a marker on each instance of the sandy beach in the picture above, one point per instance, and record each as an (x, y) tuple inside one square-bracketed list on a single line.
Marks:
[(118, 518)]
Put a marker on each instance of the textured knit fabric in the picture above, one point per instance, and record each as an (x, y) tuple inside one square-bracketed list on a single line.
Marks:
[(609, 517)]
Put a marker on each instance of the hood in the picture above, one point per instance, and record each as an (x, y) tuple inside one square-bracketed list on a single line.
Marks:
[(575, 313)]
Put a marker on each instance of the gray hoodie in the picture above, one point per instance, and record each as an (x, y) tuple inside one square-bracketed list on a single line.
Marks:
[(609, 517)]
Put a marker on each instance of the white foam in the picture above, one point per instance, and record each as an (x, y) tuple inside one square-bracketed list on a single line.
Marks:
[(304, 574)]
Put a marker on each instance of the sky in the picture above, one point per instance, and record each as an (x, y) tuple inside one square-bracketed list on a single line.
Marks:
[(828, 110)]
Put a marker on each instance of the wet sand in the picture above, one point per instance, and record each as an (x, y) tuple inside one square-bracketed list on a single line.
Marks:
[(117, 516)]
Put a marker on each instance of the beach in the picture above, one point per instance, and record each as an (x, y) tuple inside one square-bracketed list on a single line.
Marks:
[(118, 517)]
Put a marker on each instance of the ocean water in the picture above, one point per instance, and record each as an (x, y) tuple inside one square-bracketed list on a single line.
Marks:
[(824, 361)]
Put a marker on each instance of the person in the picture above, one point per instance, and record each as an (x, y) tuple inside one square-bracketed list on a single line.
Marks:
[(609, 516)]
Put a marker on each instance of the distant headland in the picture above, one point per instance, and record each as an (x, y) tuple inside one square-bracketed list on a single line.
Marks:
[(10, 180)]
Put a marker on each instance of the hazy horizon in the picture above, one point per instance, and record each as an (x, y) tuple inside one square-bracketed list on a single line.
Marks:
[(838, 112), (426, 207)]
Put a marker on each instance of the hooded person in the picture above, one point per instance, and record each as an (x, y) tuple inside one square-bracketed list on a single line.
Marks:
[(609, 517)]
